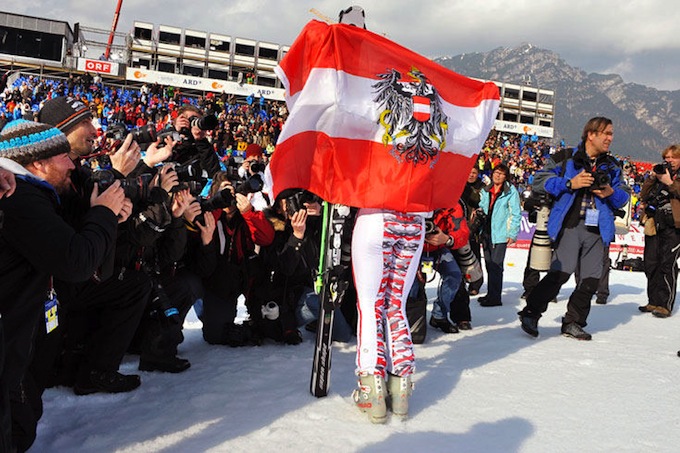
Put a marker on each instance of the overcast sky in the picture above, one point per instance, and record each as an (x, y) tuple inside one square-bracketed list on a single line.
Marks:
[(638, 39)]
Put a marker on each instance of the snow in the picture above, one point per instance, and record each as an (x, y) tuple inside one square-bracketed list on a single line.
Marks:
[(491, 389)]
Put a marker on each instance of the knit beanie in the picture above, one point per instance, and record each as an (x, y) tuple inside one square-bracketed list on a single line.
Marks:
[(253, 150), (27, 141), (64, 113)]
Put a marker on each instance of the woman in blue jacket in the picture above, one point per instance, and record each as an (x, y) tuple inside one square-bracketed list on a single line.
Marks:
[(500, 202)]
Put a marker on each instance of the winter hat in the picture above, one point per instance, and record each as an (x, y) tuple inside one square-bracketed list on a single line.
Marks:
[(27, 141), (253, 150), (64, 113)]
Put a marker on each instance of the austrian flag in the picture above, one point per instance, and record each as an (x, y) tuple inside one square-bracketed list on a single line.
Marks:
[(374, 125)]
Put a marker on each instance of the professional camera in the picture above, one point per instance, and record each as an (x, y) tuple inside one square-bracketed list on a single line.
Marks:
[(468, 263), (135, 189), (535, 202), (190, 176), (142, 135), (430, 226), (477, 221), (661, 168), (601, 179), (222, 199), (204, 123), (296, 202), (541, 246), (657, 200), (257, 167)]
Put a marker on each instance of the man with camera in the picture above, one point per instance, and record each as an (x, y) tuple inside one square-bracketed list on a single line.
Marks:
[(661, 197), (446, 232), (37, 245), (190, 129), (581, 224), (228, 263)]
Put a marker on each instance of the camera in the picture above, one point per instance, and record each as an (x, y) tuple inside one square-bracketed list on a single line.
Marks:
[(204, 123), (296, 202), (222, 199), (661, 168), (257, 167), (660, 198), (142, 135), (601, 179), (541, 246), (430, 226), (190, 176), (468, 263), (135, 189)]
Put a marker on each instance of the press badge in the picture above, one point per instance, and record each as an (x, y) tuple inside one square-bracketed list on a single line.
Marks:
[(426, 265), (591, 217), (51, 317)]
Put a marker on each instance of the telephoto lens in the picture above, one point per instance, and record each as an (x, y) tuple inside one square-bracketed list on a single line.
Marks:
[(541, 246)]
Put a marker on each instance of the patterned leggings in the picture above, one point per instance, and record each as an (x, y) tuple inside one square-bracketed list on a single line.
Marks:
[(386, 248)]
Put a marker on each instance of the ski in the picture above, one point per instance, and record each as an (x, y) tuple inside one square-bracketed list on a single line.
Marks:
[(330, 284)]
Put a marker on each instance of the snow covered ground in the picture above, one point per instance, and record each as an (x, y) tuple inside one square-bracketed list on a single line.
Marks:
[(491, 389)]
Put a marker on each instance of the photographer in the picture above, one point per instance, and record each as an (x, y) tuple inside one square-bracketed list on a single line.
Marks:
[(448, 231), (37, 245), (581, 224), (234, 264), (153, 241), (291, 263), (191, 129), (475, 219), (252, 165), (661, 197)]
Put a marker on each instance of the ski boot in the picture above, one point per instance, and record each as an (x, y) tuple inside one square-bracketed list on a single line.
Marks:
[(370, 397), (400, 389)]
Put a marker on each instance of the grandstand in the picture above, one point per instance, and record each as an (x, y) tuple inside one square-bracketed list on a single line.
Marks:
[(199, 62)]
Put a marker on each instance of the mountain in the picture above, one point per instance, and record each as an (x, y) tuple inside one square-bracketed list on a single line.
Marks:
[(646, 120)]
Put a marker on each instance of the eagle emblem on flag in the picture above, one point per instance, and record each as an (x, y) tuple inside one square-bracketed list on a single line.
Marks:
[(412, 116)]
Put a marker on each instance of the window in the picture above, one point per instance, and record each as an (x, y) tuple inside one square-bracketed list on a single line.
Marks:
[(143, 33), (266, 81), (194, 41), (218, 74), (243, 49), (166, 67), (526, 119), (220, 46), (530, 96), (271, 54), (512, 93), (193, 71), (167, 37)]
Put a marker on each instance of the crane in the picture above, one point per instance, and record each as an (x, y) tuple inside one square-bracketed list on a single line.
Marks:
[(114, 25)]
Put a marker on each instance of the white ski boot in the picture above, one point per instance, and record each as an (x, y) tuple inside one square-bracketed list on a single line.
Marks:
[(400, 389), (370, 397)]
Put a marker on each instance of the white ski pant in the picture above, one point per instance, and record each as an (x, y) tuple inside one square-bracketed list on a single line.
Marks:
[(386, 248)]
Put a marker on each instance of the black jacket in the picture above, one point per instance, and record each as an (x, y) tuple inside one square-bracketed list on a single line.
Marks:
[(36, 243)]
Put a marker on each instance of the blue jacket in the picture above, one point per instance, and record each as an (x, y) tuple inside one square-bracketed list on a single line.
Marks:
[(506, 215), (552, 180)]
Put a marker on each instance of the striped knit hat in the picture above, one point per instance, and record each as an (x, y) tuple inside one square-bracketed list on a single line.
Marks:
[(64, 113), (27, 141)]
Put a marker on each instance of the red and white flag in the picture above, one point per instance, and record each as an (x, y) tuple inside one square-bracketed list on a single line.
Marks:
[(372, 124)]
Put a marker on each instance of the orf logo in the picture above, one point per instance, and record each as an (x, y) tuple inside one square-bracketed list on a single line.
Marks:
[(98, 66)]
